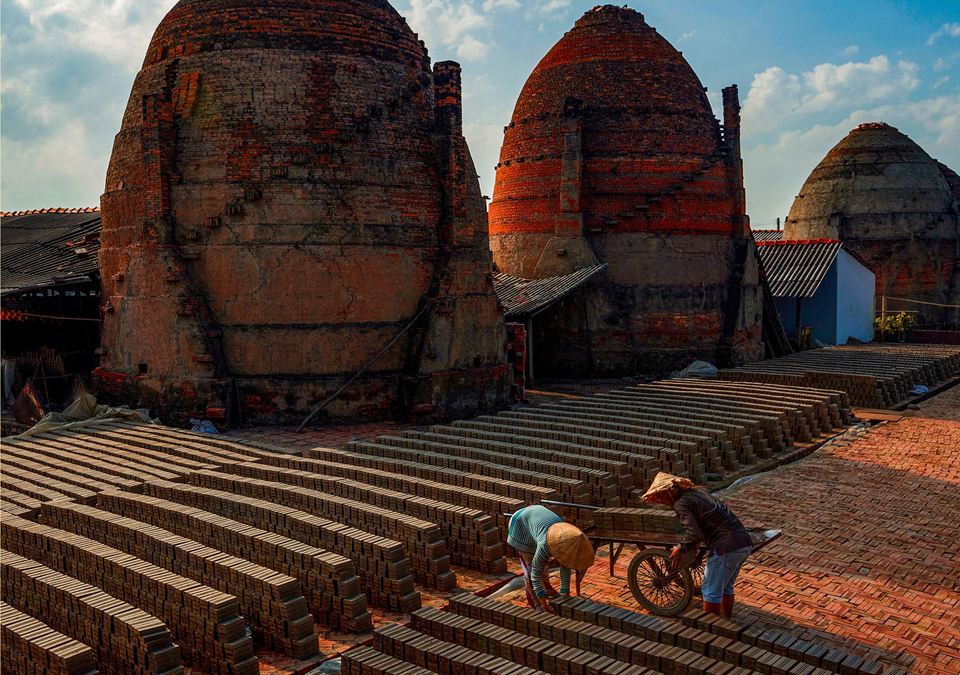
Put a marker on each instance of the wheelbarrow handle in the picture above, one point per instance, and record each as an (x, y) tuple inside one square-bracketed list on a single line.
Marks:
[(574, 506)]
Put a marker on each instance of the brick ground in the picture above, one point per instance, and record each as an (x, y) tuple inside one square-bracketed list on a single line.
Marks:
[(868, 559), (945, 406)]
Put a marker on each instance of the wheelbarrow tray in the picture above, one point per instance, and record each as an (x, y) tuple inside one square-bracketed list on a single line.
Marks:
[(760, 538)]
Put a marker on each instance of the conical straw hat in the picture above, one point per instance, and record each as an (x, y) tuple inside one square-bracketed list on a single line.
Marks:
[(569, 546), (665, 481)]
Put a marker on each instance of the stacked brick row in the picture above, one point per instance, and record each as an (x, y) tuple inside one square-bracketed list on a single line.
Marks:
[(567, 481), (206, 622), (328, 581), (109, 457), (874, 375), (29, 646), (571, 448), (612, 443), (472, 537), (123, 639), (271, 602), (45, 488), (79, 475), (424, 544), (612, 520), (468, 489), (587, 635), (383, 568), (181, 446), (18, 504)]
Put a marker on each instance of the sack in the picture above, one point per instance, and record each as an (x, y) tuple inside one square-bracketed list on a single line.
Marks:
[(698, 369)]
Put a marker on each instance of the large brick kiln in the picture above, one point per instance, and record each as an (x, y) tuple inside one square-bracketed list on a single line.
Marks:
[(289, 189), (886, 199), (614, 155)]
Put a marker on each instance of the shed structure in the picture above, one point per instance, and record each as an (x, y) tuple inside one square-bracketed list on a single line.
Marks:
[(821, 284), (50, 280)]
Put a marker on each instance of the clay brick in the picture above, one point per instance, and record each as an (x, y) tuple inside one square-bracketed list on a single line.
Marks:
[(122, 638)]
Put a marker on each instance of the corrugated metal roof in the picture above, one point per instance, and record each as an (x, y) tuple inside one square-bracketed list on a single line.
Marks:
[(531, 296), (767, 235), (52, 246), (795, 269)]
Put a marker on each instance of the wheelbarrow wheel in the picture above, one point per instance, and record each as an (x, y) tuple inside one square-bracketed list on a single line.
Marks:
[(658, 587), (696, 573)]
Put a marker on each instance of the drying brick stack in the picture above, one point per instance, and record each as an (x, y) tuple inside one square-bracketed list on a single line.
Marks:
[(473, 539), (876, 375), (271, 602), (206, 623), (328, 581), (383, 568), (612, 520), (481, 636), (29, 646), (601, 450), (124, 640)]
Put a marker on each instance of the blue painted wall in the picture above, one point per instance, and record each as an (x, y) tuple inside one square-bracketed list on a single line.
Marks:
[(842, 307), (856, 302)]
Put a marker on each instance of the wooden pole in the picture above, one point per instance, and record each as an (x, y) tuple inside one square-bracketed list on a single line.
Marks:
[(530, 350), (799, 322)]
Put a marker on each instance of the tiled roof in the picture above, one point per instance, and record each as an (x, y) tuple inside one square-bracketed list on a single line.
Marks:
[(795, 269), (767, 235), (532, 296), (44, 247), (88, 209)]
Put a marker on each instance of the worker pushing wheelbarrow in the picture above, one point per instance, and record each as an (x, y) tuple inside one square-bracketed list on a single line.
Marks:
[(671, 561)]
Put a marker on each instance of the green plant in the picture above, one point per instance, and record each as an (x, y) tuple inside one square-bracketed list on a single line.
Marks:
[(895, 324)]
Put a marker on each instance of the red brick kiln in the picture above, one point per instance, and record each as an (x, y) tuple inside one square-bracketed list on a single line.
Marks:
[(289, 188), (883, 196), (613, 155)]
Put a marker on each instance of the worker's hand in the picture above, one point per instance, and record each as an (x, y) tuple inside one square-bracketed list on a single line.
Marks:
[(676, 557), (545, 603)]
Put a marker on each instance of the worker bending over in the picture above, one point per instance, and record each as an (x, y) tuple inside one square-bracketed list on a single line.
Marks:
[(706, 519), (539, 534)]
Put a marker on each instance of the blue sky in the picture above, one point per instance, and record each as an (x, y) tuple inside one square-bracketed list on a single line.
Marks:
[(808, 72)]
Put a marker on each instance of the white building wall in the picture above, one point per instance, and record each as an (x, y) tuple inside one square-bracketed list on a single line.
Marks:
[(855, 299)]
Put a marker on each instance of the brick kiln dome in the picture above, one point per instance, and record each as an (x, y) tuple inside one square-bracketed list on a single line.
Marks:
[(290, 186), (885, 197), (613, 148)]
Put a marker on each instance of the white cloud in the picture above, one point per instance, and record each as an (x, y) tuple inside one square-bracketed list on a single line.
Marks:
[(484, 141), (947, 29), (774, 172), (850, 51), (471, 49), (776, 96), (116, 31), (942, 80), (506, 4), (687, 36), (67, 71), (451, 24), (940, 64), (552, 9)]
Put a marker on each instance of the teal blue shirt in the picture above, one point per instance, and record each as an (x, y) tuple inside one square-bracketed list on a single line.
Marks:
[(528, 534)]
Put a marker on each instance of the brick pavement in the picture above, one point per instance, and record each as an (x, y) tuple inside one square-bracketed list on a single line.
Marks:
[(868, 559), (945, 406)]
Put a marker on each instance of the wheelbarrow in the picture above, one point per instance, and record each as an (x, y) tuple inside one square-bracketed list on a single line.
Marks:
[(659, 587)]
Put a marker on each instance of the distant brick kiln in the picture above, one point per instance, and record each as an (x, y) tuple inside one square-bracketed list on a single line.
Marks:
[(884, 197)]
